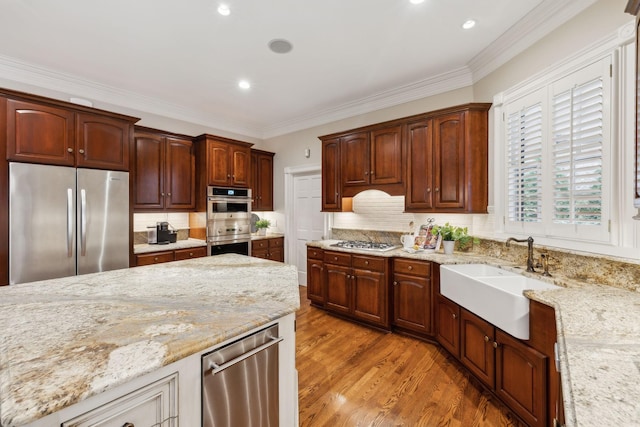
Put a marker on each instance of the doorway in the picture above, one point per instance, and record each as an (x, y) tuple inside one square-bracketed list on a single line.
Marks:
[(305, 220)]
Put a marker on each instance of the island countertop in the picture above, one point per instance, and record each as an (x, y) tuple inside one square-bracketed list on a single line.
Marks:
[(64, 340)]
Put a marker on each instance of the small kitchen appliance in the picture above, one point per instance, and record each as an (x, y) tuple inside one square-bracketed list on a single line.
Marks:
[(152, 234), (164, 235)]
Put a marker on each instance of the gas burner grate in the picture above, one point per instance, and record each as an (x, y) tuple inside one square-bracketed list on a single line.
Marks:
[(367, 246)]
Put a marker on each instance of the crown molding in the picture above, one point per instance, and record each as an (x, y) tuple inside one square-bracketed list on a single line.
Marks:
[(543, 19), (441, 83), (63, 85)]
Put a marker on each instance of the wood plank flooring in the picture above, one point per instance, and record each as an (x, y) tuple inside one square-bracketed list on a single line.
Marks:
[(350, 375)]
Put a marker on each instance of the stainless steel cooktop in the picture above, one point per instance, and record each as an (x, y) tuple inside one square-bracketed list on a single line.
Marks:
[(366, 246)]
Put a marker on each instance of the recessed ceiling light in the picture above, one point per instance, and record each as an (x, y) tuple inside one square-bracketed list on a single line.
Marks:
[(224, 10), (244, 84), (280, 46), (416, 1), (470, 23)]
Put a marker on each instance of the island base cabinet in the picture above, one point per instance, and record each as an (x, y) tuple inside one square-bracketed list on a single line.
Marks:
[(155, 404)]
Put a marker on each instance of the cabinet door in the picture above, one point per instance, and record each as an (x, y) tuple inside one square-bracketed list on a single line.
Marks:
[(386, 156), (450, 161), (154, 258), (315, 281), (331, 186), (102, 142), (179, 174), (521, 379), (412, 303), (218, 163), (240, 166), (259, 253), (419, 162), (338, 282), (40, 134), (190, 253), (355, 164), (276, 249), (264, 183), (370, 296), (476, 346), (149, 171), (448, 325)]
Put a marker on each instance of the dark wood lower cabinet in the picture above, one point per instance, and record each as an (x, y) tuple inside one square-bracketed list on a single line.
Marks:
[(476, 347), (412, 296), (357, 286), (448, 325), (168, 256), (270, 248)]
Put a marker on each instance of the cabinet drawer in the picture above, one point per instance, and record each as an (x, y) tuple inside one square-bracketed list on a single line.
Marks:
[(278, 242), (369, 263), (190, 253), (315, 253), (154, 258), (337, 258), (260, 244), (155, 404), (416, 268)]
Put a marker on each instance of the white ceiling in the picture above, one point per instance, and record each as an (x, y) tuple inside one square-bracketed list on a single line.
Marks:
[(182, 60)]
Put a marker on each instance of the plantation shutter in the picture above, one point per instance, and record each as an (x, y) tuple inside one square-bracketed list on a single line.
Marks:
[(524, 139)]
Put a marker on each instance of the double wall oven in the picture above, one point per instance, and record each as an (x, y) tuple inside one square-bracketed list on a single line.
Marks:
[(228, 220)]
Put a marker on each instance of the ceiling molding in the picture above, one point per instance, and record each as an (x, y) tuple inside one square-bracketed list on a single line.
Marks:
[(441, 83), (546, 17), (62, 83)]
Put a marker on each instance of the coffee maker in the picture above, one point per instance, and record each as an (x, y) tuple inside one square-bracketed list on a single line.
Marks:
[(164, 235)]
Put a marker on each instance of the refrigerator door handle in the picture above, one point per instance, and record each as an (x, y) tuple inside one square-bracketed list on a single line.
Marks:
[(83, 222), (70, 215)]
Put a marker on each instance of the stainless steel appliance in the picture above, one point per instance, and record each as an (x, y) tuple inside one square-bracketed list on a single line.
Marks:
[(365, 246), (240, 382), (228, 220), (65, 221)]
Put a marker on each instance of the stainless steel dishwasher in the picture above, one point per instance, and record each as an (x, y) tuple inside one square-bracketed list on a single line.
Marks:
[(240, 382)]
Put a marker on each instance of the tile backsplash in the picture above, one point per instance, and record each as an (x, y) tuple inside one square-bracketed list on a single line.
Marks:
[(177, 220)]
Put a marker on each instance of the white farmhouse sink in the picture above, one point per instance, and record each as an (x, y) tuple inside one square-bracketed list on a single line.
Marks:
[(494, 294)]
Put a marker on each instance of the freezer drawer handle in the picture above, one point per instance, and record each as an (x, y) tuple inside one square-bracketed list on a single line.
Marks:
[(83, 219), (69, 222), (219, 368)]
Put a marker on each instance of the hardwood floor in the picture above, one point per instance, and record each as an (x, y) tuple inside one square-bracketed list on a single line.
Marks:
[(350, 375)]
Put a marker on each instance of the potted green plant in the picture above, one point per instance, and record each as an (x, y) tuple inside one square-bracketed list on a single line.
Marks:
[(450, 234), (262, 225)]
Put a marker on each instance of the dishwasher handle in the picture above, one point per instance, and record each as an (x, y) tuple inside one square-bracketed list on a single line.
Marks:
[(215, 368)]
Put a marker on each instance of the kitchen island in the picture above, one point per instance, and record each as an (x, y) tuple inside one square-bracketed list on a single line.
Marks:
[(73, 344)]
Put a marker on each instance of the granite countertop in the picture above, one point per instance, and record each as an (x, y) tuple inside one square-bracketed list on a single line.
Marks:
[(180, 244), (64, 340), (598, 337), (267, 236)]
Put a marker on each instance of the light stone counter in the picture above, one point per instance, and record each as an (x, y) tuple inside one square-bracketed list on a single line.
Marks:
[(145, 248), (64, 340), (598, 336)]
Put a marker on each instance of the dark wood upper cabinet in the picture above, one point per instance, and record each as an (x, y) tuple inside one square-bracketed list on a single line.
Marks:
[(262, 180), (57, 135), (331, 186), (437, 160), (164, 171)]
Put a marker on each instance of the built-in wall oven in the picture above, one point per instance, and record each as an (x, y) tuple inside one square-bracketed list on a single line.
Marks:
[(228, 220)]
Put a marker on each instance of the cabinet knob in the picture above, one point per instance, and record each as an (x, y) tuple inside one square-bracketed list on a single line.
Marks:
[(453, 315), (371, 173), (410, 267), (169, 194), (228, 176), (162, 194), (486, 338), (495, 344), (155, 258), (366, 263), (70, 150), (395, 283), (190, 253), (437, 189), (81, 151), (335, 258), (366, 173), (428, 190)]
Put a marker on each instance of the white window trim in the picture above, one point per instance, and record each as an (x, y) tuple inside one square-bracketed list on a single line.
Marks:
[(625, 233)]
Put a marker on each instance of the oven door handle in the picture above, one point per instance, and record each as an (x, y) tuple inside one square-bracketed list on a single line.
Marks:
[(229, 200), (215, 368)]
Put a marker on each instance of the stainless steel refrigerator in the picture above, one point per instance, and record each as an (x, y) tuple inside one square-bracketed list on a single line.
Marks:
[(65, 221)]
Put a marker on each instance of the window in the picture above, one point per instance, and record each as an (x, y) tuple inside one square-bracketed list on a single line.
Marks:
[(557, 151)]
